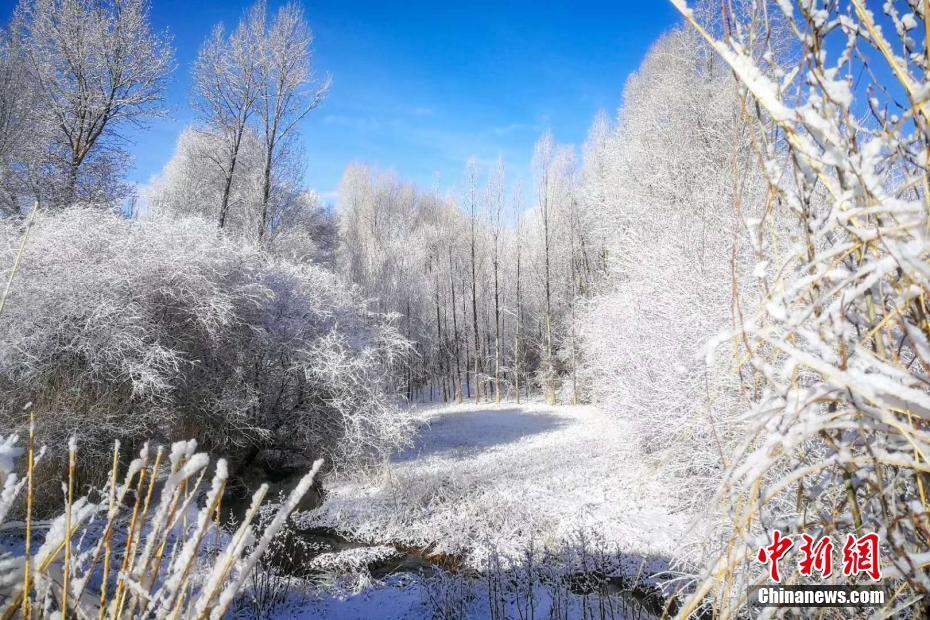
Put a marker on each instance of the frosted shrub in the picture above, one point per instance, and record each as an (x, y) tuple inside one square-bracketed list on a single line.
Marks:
[(837, 441), (164, 328)]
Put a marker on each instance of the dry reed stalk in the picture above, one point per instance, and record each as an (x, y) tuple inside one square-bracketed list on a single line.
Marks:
[(119, 596), (66, 580), (177, 597), (142, 516), (153, 570), (237, 543), (217, 518), (201, 533), (179, 511), (30, 464), (108, 534)]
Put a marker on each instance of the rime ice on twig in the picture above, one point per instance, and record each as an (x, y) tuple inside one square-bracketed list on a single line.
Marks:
[(172, 575)]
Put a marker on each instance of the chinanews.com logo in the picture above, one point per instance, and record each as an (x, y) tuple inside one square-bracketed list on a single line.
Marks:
[(859, 559)]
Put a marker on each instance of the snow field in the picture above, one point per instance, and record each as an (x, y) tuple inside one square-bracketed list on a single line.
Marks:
[(501, 477)]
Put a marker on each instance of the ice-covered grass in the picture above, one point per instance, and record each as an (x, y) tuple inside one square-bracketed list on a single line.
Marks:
[(501, 477), (154, 560)]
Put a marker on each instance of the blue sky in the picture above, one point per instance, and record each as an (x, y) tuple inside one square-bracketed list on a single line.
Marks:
[(419, 87)]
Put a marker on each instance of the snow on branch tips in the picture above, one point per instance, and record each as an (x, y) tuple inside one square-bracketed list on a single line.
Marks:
[(838, 439), (166, 570), (134, 329)]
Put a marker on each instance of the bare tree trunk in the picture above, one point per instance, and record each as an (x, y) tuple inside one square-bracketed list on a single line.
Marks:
[(224, 200), (439, 345), (71, 188), (549, 366), (497, 330), (572, 293), (230, 172), (474, 308), (266, 193), (455, 328), (468, 380), (409, 366), (519, 319), (450, 351), (487, 348)]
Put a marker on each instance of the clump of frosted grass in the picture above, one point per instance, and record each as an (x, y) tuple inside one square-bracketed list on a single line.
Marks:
[(147, 547)]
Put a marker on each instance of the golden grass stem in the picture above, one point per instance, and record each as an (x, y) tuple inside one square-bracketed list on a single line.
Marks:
[(72, 459), (153, 569), (108, 536), (234, 544), (120, 596), (30, 463), (175, 603), (148, 496)]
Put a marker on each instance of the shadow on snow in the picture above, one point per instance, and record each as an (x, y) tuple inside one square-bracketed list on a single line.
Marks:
[(473, 431)]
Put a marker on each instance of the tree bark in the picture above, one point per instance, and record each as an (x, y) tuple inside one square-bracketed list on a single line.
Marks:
[(549, 366), (230, 173), (455, 328), (474, 311)]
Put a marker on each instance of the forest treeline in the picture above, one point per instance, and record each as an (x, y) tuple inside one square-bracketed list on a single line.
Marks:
[(484, 283), (225, 302)]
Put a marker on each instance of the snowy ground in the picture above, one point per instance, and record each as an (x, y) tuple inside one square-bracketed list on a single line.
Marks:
[(483, 477)]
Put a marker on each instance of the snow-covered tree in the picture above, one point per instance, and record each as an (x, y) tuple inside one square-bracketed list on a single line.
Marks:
[(672, 182), (225, 92), (96, 67), (287, 92), (244, 167), (20, 140), (191, 183)]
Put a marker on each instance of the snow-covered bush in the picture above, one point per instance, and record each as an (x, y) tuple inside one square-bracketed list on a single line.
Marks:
[(837, 441), (165, 328), (671, 182)]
